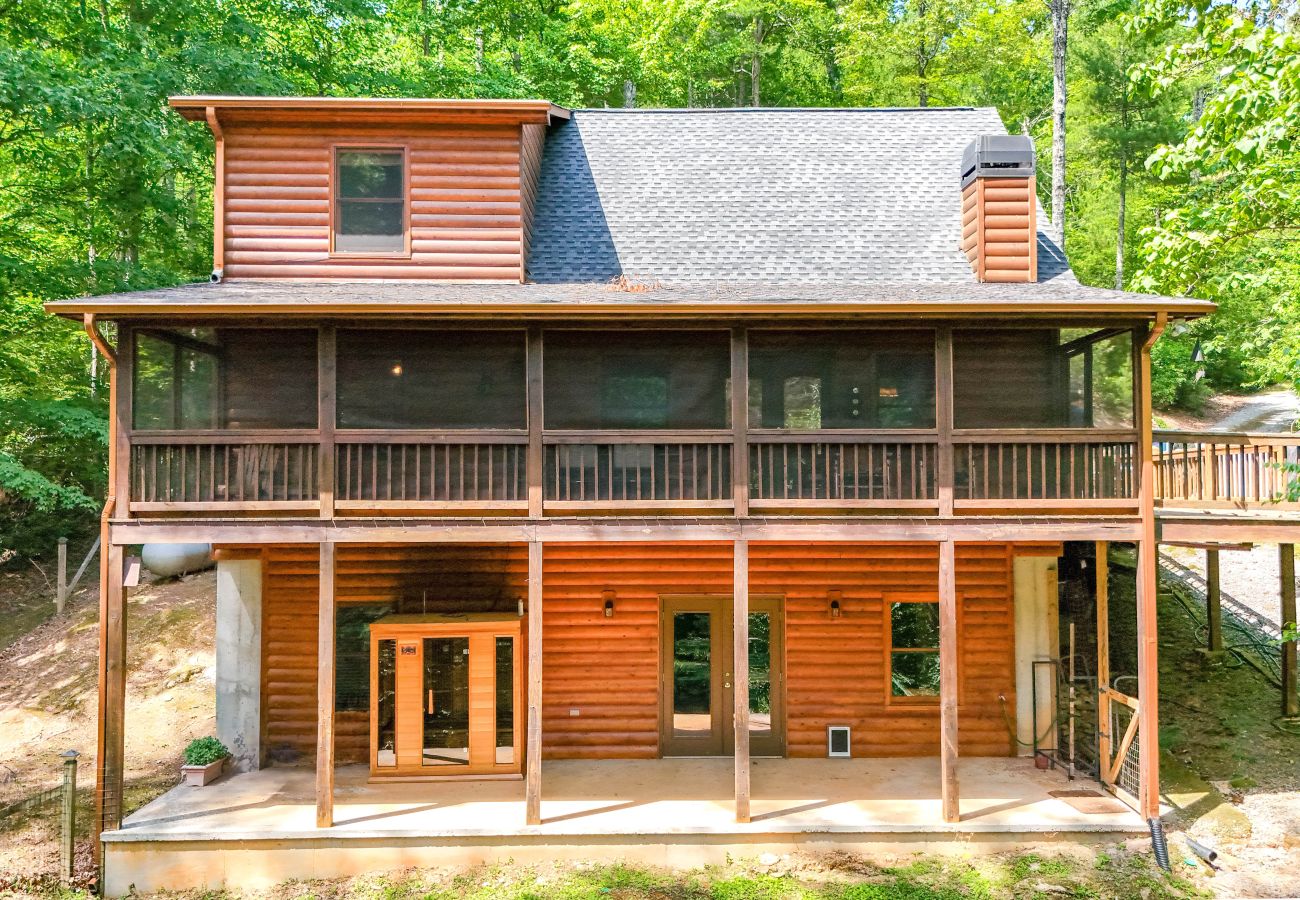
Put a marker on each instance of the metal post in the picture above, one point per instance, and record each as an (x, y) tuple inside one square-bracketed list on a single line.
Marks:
[(69, 836), (61, 589)]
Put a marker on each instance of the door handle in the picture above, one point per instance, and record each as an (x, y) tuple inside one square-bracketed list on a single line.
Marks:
[(430, 708)]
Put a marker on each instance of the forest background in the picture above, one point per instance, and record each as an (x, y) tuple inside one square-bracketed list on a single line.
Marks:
[(1179, 123)]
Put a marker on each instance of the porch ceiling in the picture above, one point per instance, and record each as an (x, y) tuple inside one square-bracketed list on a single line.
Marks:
[(642, 797)]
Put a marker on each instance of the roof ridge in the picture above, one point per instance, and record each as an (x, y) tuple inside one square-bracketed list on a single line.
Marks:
[(771, 109)]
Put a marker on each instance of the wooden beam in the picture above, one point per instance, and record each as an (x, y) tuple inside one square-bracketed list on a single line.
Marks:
[(218, 194), (536, 461), (1102, 562), (120, 398), (1290, 700), (325, 691), (533, 759), (948, 681), (945, 470), (740, 671), (327, 415), (1213, 599), (110, 734), (1147, 584), (740, 420)]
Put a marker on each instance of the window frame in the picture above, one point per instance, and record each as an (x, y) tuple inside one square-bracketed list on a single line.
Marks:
[(405, 150), (888, 601)]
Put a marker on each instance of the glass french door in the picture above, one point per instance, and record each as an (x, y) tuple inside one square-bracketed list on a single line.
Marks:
[(444, 699), (698, 695)]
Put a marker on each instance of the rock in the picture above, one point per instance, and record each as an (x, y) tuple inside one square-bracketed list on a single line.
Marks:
[(768, 860)]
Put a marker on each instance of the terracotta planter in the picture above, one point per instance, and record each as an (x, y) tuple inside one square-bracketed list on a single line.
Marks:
[(198, 776)]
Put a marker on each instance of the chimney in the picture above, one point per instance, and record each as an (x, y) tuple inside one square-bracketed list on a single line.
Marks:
[(999, 228)]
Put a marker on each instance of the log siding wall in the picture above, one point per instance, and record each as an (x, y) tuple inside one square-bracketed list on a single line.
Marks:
[(464, 198), (607, 669)]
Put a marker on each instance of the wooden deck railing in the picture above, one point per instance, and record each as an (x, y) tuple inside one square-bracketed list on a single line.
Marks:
[(1212, 470), (642, 469), (1045, 467), (489, 471), (849, 470)]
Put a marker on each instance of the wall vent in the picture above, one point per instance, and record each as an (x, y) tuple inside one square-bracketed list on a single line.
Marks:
[(999, 207), (838, 741)]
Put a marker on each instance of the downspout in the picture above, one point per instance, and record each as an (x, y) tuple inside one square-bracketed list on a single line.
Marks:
[(110, 503), (1147, 634), (218, 198)]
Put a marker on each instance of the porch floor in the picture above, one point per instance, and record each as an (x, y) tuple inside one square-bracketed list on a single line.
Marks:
[(642, 797)]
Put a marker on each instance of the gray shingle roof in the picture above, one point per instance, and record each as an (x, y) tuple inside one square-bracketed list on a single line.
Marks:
[(773, 196)]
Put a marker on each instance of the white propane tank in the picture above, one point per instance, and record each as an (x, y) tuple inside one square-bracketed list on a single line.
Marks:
[(166, 560)]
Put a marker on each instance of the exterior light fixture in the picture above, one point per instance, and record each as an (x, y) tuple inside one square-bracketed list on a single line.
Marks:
[(835, 597), (609, 603), (396, 370)]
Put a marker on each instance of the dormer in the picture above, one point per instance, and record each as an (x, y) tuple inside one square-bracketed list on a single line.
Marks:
[(349, 189)]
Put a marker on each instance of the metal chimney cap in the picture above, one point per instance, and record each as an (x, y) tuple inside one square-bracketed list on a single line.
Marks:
[(998, 156)]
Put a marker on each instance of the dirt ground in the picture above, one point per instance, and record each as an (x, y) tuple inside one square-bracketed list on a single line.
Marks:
[(1275, 410), (1249, 576), (48, 696)]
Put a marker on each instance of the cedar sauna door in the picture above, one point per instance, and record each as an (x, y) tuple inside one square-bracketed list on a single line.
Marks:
[(697, 698), (445, 696)]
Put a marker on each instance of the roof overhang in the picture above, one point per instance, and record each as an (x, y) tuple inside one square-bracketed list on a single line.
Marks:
[(408, 299), (236, 111)]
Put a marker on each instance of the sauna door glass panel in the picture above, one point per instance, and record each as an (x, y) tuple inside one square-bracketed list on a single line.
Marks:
[(505, 701), (446, 702), (386, 702)]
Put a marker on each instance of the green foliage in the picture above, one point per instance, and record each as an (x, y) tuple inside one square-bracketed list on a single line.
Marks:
[(204, 751)]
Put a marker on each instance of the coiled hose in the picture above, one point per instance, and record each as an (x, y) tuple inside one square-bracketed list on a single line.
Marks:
[(1158, 844)]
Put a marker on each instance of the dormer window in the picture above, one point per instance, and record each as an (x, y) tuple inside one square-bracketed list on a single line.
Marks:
[(370, 207)]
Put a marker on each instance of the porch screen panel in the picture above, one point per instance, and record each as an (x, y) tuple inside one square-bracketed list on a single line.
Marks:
[(804, 380), (224, 378), (636, 379), (1043, 378), (415, 379)]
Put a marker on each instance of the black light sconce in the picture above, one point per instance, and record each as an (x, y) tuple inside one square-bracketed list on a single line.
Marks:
[(609, 603), (835, 597)]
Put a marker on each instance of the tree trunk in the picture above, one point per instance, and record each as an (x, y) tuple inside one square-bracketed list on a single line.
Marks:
[(629, 94), (1119, 235), (756, 64), (1060, 33), (424, 27)]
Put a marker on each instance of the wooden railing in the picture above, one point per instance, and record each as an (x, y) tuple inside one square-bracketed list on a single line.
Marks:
[(1058, 467), (1225, 470), (228, 470), (641, 469), (431, 470), (850, 470), (577, 472)]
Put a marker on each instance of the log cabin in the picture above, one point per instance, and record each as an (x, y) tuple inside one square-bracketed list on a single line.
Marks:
[(660, 483)]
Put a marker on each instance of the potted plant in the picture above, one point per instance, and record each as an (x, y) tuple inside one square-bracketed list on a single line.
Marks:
[(205, 760)]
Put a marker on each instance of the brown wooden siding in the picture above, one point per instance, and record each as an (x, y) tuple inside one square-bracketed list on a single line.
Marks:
[(608, 668), (999, 231), (465, 206), (530, 166)]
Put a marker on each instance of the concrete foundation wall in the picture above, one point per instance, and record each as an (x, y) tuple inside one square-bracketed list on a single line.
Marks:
[(1037, 638), (239, 661)]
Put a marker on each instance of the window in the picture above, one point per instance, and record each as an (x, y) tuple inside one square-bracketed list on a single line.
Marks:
[(352, 655), (1043, 378), (370, 201), (841, 379), (223, 378), (913, 648), (431, 379), (636, 379)]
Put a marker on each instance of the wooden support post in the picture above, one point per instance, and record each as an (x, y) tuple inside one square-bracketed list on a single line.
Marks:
[(946, 463), (325, 691), (110, 741), (61, 577), (948, 682), (218, 195), (120, 400), (740, 671), (68, 829), (1148, 550), (1104, 738), (740, 420), (326, 415), (533, 761), (1290, 700), (1213, 599), (536, 459)]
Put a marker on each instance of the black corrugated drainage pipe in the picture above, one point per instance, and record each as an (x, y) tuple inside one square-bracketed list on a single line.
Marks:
[(1158, 844)]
